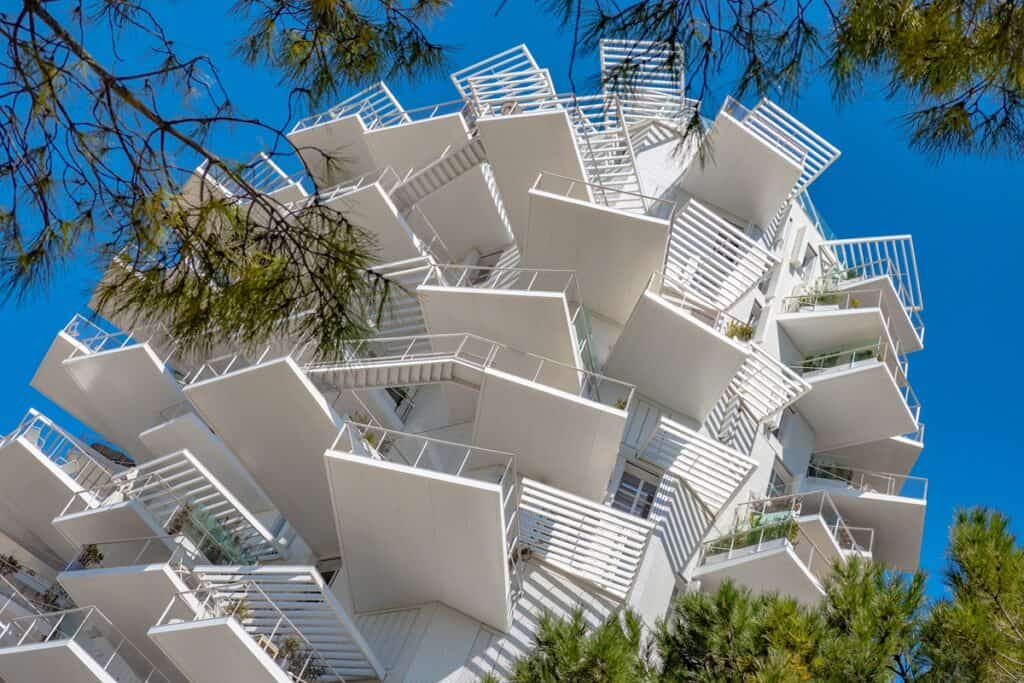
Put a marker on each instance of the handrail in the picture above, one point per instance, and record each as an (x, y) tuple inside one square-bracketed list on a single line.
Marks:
[(679, 295), (284, 642), (178, 551), (492, 277), (376, 102), (801, 504), (347, 187), (766, 130), (87, 623), (831, 299), (63, 449), (753, 541), (845, 359), (869, 481), (649, 200), (97, 340)]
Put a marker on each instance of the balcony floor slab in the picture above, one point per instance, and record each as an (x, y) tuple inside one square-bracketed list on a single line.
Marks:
[(775, 568), (334, 151), (415, 144), (215, 651), (821, 331), (64, 661)]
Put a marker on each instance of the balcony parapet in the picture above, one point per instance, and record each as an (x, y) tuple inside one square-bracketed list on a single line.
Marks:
[(86, 467), (816, 503), (375, 106), (866, 481)]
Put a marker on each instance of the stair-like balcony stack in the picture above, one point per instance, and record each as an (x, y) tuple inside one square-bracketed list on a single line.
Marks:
[(763, 157), (332, 144), (275, 624), (79, 645), (423, 520), (786, 544), (40, 466), (117, 383), (893, 504)]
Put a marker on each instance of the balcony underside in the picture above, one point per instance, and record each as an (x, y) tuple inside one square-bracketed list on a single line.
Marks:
[(775, 568), (519, 147), (279, 425), (679, 361), (189, 432), (35, 490), (133, 598), (745, 176), (411, 536), (129, 389), (902, 326), (416, 144), (613, 252), (895, 455), (334, 151), (465, 216), (63, 661), (535, 322), (854, 406), (371, 209), (115, 522), (820, 331), (898, 521), (557, 438), (215, 651)]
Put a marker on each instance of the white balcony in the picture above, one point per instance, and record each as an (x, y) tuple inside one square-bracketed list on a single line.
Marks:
[(420, 136), (422, 520), (172, 491), (117, 383), (333, 144), (41, 467), (261, 174), (896, 455), (593, 542), (567, 230), (678, 348), (887, 264), (238, 632), (531, 309), (73, 646), (858, 395), (761, 158), (892, 504)]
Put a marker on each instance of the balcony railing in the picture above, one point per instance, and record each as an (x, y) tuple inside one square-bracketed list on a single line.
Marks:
[(514, 59), (767, 511), (87, 468), (866, 481), (261, 618), (593, 541), (546, 280), (95, 339), (680, 296), (94, 633), (575, 188), (375, 106), (881, 351), (179, 552)]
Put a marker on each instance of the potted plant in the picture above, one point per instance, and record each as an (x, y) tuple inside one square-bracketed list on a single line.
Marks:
[(741, 331), (91, 556), (9, 565), (239, 609), (621, 403)]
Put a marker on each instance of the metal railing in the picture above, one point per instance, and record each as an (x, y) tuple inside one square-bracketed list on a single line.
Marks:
[(866, 481), (375, 106), (95, 339), (515, 279), (179, 552), (78, 461), (881, 351), (754, 513), (868, 257), (272, 631), (386, 177), (93, 632), (514, 59), (771, 133), (575, 188), (751, 542), (680, 296)]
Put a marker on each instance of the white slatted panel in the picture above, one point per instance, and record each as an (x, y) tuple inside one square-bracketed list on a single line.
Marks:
[(646, 76), (766, 385), (773, 123), (712, 257), (891, 256), (712, 470), (516, 59), (591, 541)]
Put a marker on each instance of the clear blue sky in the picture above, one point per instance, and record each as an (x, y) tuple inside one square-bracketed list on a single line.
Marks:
[(878, 186)]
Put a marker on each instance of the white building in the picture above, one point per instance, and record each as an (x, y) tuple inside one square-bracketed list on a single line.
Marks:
[(616, 373)]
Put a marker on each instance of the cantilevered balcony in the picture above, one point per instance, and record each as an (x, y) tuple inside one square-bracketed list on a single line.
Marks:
[(892, 504), (567, 230), (896, 455), (535, 310), (332, 144), (41, 467), (786, 544), (237, 632), (572, 412), (15, 602), (73, 646), (117, 383), (168, 493), (261, 174), (762, 158), (593, 542), (859, 394), (888, 265), (422, 520)]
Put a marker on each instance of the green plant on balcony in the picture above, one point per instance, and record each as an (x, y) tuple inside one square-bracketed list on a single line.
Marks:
[(91, 556), (9, 565), (741, 331), (179, 520), (854, 302), (219, 545), (239, 609), (621, 403)]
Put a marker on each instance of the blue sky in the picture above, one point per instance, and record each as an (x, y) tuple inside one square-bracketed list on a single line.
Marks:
[(877, 187)]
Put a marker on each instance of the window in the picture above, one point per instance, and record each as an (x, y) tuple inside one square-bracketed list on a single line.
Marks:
[(635, 494)]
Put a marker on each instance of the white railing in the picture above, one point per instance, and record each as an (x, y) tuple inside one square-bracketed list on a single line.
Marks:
[(765, 385), (513, 60), (672, 291), (95, 339), (433, 111), (751, 542), (88, 628), (11, 596), (881, 351), (508, 92), (387, 178), (375, 106), (272, 630), (548, 280), (261, 174), (903, 485), (891, 256), (77, 460), (646, 76), (825, 297), (714, 471), (755, 513), (592, 541), (713, 257), (179, 552), (574, 188)]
